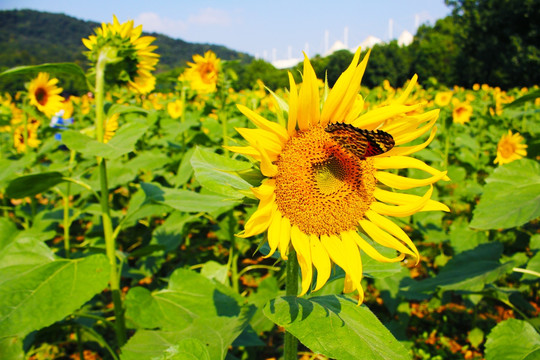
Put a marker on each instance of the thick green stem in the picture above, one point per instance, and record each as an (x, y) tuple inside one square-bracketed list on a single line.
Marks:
[(232, 263), (223, 118), (67, 218), (290, 348), (110, 244)]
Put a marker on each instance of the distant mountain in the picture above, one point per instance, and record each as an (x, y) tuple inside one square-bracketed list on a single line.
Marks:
[(29, 37)]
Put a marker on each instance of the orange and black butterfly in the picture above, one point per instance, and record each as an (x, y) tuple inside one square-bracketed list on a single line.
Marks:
[(360, 142)]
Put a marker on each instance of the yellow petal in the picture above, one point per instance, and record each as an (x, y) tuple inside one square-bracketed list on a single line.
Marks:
[(335, 250), (372, 252), (403, 162), (268, 169), (260, 220), (408, 90), (376, 117), (388, 226), (300, 242), (401, 210), (404, 199), (382, 237), (344, 90), (308, 99), (406, 150), (293, 106), (265, 190), (354, 261), (403, 183), (284, 237), (321, 261), (274, 231), (412, 135), (264, 124), (266, 139), (245, 150)]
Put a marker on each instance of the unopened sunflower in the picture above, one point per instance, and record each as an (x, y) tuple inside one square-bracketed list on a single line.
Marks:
[(510, 148), (325, 178), (132, 57), (45, 95)]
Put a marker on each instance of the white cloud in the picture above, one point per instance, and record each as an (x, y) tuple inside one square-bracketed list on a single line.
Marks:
[(152, 22), (211, 16)]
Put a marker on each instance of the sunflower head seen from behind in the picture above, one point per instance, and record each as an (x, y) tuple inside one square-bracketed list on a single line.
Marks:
[(326, 193), (130, 57)]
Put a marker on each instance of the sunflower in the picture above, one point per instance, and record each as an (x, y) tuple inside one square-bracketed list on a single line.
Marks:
[(44, 94), (175, 108), (111, 125), (202, 74), (510, 148), (319, 193), (134, 59), (462, 112), (32, 140), (443, 98)]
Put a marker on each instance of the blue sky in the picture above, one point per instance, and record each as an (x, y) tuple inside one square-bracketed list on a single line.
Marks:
[(273, 29)]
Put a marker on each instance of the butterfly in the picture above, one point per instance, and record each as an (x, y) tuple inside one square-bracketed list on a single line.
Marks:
[(360, 142)]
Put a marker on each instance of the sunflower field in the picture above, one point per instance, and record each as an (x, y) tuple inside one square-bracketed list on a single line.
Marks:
[(306, 222)]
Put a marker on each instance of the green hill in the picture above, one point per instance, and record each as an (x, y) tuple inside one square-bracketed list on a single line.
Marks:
[(29, 37)]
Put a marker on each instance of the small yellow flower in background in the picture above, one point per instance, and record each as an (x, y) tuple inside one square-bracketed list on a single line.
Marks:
[(111, 124), (462, 111), (485, 87), (510, 148), (443, 98), (175, 108), (319, 192), (32, 138), (136, 59), (202, 74), (386, 86), (476, 87), (44, 94)]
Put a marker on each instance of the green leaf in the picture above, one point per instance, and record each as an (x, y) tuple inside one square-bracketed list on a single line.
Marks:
[(376, 269), (475, 337), (217, 173), (531, 96), (185, 200), (66, 68), (468, 271), (335, 327), (122, 142), (188, 296), (216, 333), (30, 185), (37, 295), (511, 196), (513, 339), (12, 348), (216, 271)]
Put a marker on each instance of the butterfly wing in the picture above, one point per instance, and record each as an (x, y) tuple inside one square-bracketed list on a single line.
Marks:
[(360, 142)]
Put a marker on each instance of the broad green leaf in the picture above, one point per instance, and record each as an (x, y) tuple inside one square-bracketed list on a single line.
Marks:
[(217, 333), (66, 68), (469, 271), (30, 185), (513, 339), (122, 142), (48, 292), (511, 196), (531, 96), (10, 167), (335, 327), (185, 200), (216, 271), (124, 109), (268, 289), (217, 173), (376, 269), (11, 348), (189, 296), (463, 238)]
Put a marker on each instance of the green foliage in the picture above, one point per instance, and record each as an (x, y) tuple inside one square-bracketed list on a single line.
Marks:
[(513, 340)]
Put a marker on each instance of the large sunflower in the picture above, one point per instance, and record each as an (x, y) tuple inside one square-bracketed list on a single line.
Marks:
[(320, 191), (135, 54), (44, 94)]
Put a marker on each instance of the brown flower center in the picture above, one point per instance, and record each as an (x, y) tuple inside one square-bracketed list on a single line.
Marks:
[(41, 96), (320, 186)]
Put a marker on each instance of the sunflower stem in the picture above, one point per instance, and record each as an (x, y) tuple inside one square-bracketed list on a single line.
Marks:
[(290, 348), (65, 197), (223, 118), (110, 243)]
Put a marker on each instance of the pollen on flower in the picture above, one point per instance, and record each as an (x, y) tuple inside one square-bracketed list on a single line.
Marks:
[(321, 187)]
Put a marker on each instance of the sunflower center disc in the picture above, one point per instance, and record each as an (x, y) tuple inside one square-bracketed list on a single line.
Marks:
[(320, 187), (41, 96)]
